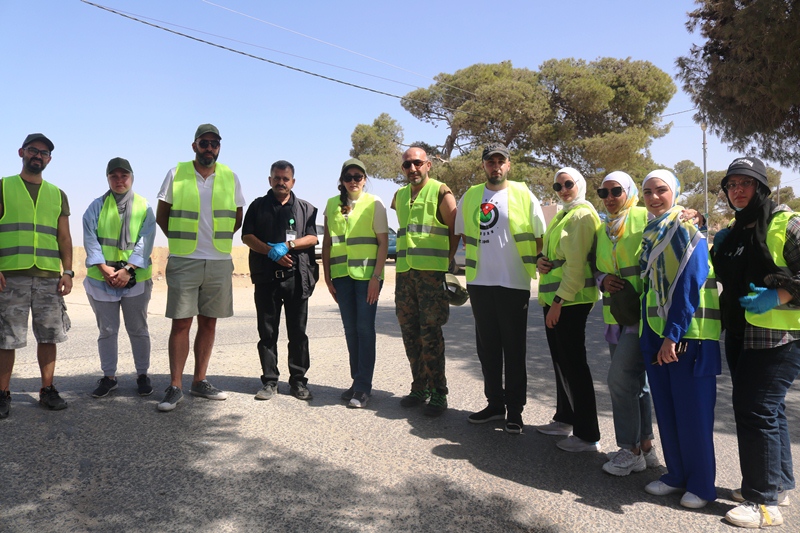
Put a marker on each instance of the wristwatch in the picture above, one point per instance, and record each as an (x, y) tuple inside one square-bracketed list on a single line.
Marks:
[(557, 299), (130, 268), (69, 273), (292, 245)]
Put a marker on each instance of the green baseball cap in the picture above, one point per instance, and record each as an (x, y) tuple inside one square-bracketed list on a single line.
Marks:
[(38, 137), (353, 163), (202, 129), (116, 163)]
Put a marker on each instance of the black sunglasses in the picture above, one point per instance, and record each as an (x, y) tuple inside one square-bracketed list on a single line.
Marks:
[(347, 178), (616, 192), (416, 162), (205, 144), (567, 185)]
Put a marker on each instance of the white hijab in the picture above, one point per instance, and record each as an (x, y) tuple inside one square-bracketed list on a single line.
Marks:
[(580, 183)]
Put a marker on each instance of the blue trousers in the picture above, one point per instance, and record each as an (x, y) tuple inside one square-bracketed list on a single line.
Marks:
[(684, 395), (358, 318)]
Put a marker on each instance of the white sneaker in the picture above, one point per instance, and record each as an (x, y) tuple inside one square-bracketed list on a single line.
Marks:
[(555, 428), (574, 444), (693, 501), (752, 515), (651, 458), (624, 462), (659, 488), (783, 497)]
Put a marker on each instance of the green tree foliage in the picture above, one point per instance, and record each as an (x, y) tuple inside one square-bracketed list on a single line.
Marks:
[(377, 145), (589, 115), (745, 77)]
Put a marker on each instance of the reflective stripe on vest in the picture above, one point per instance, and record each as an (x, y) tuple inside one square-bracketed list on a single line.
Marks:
[(109, 225), (707, 320), (782, 317), (28, 232), (354, 246), (622, 260), (519, 222), (184, 217), (549, 283), (423, 243)]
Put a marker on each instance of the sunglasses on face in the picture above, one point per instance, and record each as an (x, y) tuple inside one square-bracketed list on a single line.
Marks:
[(205, 144), (567, 185), (616, 192), (417, 163), (347, 178)]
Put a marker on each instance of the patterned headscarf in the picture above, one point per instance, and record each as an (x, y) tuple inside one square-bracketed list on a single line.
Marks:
[(615, 222)]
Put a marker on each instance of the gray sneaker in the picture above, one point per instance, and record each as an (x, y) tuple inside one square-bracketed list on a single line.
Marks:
[(172, 396), (204, 389), (269, 390)]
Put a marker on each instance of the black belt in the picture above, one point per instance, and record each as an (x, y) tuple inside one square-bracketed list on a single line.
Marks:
[(283, 274)]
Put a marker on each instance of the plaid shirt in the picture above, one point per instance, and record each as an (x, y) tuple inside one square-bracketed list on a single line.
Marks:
[(756, 338)]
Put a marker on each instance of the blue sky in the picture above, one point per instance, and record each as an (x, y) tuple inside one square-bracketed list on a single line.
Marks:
[(102, 86)]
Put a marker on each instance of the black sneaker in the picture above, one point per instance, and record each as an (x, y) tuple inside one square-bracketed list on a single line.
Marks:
[(359, 400), (415, 398), (143, 386), (347, 395), (48, 397), (300, 391), (5, 403), (514, 424), (436, 405), (104, 386), (487, 415)]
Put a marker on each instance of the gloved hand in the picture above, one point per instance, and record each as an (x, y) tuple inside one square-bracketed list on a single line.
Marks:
[(720, 236), (762, 301), (278, 251)]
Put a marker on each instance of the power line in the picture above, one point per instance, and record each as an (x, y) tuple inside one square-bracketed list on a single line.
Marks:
[(679, 112)]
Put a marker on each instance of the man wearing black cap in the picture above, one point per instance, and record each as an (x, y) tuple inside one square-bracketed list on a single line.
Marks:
[(502, 223), (34, 244), (199, 209)]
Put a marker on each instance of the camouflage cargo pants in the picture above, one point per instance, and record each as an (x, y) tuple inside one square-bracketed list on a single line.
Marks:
[(422, 309)]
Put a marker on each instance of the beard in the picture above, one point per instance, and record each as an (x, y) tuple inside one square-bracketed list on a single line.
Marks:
[(495, 180), (207, 160), (29, 167)]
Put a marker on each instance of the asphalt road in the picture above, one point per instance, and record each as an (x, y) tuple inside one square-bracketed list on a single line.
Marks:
[(116, 464)]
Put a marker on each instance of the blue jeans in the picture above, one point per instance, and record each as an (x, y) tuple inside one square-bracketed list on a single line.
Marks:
[(630, 393), (761, 379), (358, 318)]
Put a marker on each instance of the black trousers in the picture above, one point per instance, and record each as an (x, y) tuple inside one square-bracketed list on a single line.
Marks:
[(575, 401), (501, 329), (270, 298)]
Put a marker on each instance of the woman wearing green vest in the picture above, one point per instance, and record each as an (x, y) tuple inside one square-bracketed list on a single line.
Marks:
[(119, 229), (567, 291), (757, 260), (354, 251), (679, 342), (619, 244)]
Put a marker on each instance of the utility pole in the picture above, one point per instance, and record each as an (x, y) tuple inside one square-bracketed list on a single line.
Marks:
[(705, 173)]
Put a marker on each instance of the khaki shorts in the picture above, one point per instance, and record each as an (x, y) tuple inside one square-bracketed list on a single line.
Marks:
[(199, 287), (50, 320)]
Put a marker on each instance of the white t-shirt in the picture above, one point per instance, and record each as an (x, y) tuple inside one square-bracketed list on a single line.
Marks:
[(380, 224), (205, 240), (499, 263)]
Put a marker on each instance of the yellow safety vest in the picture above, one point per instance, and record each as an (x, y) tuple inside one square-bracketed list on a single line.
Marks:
[(423, 243), (109, 225), (184, 217), (549, 283), (519, 221), (28, 231), (354, 245), (782, 317), (707, 320), (622, 260)]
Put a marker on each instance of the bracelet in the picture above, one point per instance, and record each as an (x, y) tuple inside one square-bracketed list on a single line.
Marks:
[(377, 276), (536, 259)]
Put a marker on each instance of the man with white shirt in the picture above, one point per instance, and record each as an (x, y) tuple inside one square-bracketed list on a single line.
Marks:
[(502, 223), (199, 209)]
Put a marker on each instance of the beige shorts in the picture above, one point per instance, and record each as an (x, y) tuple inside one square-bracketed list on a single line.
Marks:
[(50, 320), (199, 287)]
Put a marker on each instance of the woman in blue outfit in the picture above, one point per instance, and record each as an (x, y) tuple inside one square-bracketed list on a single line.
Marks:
[(354, 251), (679, 342), (757, 261), (619, 245)]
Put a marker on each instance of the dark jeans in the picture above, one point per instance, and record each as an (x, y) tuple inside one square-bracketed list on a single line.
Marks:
[(269, 298), (501, 327), (358, 318), (575, 403), (761, 379)]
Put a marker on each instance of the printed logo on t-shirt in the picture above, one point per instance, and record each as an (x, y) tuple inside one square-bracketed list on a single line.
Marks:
[(488, 216)]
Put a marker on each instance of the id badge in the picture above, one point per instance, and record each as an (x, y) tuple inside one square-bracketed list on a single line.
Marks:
[(291, 235)]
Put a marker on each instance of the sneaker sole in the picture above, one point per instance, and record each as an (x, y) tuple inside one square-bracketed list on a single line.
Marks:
[(218, 397), (54, 408), (753, 525), (555, 432), (352, 405), (166, 407), (484, 420), (145, 393), (107, 392), (513, 429), (622, 473)]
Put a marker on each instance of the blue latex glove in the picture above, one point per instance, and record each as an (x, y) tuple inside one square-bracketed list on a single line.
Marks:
[(762, 301), (720, 236), (278, 251)]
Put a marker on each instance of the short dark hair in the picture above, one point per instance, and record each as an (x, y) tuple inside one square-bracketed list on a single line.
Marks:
[(281, 165)]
